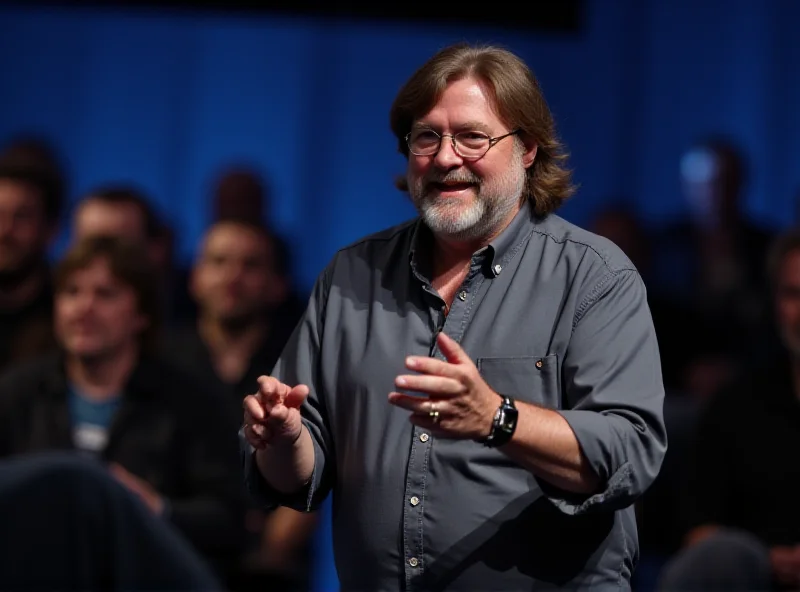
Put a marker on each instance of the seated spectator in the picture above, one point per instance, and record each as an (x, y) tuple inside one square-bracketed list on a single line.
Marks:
[(106, 395), (30, 203), (242, 325), (743, 480), (126, 212)]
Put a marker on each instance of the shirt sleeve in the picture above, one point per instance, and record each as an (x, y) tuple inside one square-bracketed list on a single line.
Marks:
[(299, 364), (614, 394)]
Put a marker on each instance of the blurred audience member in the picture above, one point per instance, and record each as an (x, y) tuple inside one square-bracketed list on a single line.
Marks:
[(126, 212), (744, 480), (106, 395), (69, 525), (713, 263), (120, 211), (240, 192), (30, 205), (241, 290), (714, 259)]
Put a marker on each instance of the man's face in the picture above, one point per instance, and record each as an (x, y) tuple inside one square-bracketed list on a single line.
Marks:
[(468, 199), (24, 231), (96, 315), (235, 278), (787, 301), (98, 218)]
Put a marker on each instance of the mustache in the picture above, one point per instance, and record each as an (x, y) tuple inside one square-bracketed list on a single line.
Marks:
[(452, 177)]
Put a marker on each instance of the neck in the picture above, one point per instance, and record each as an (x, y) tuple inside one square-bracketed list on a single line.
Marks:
[(102, 377), (25, 289), (243, 336)]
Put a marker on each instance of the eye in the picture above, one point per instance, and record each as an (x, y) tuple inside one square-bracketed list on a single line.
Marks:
[(425, 138)]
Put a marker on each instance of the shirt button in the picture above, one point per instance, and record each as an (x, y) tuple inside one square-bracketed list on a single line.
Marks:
[(539, 364), (413, 562), (462, 296), (498, 269), (414, 500), (423, 437)]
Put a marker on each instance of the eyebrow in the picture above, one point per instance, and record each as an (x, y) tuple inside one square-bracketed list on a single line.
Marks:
[(468, 126)]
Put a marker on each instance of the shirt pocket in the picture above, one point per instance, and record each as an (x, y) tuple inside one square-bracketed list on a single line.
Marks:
[(533, 379)]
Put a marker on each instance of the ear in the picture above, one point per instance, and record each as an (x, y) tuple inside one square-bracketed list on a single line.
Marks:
[(529, 155)]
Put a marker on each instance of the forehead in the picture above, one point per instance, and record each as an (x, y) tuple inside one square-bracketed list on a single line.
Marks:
[(236, 238), (15, 194), (464, 102)]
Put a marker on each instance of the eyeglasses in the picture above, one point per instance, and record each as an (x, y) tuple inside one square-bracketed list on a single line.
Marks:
[(468, 145)]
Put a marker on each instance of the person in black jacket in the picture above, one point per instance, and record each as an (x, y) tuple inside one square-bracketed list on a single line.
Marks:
[(104, 395)]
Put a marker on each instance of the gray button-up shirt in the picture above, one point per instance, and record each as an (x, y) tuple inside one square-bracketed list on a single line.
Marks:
[(552, 315)]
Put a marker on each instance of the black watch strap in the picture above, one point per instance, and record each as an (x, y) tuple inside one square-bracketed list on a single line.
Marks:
[(504, 424)]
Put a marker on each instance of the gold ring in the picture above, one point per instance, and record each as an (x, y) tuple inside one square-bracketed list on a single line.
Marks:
[(433, 413)]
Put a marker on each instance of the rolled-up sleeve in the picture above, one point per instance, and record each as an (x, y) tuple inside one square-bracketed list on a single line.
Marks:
[(299, 364), (614, 393)]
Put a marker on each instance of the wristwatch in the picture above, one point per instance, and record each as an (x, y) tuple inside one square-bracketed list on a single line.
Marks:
[(504, 424)]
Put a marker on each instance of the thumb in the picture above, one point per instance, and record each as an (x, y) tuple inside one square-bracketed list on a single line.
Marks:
[(296, 396), (453, 352)]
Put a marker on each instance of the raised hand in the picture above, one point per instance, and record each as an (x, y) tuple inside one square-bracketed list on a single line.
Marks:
[(459, 403), (272, 415)]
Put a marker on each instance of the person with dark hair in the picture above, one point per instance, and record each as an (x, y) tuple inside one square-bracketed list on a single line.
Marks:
[(743, 482), (107, 395), (242, 325), (479, 387), (30, 205)]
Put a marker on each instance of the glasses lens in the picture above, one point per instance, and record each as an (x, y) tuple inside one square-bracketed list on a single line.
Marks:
[(423, 142), (472, 143)]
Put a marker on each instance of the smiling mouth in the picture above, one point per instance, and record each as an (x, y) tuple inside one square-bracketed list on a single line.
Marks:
[(452, 186)]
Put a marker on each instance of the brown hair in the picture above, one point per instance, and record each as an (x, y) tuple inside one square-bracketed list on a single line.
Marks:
[(519, 102), (44, 183), (129, 263), (125, 194)]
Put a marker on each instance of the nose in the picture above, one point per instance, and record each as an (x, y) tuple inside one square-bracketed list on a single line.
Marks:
[(447, 157)]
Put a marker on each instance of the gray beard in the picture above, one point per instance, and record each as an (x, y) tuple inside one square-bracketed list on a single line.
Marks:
[(493, 205)]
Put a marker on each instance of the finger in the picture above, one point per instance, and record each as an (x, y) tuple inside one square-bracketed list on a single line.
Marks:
[(420, 405), (253, 409), (435, 366), (453, 352), (296, 396), (432, 385), (254, 439), (277, 416), (271, 389)]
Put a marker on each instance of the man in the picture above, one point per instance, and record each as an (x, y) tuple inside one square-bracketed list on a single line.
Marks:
[(240, 288), (119, 210), (124, 211), (30, 202), (107, 397), (480, 387), (744, 522)]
